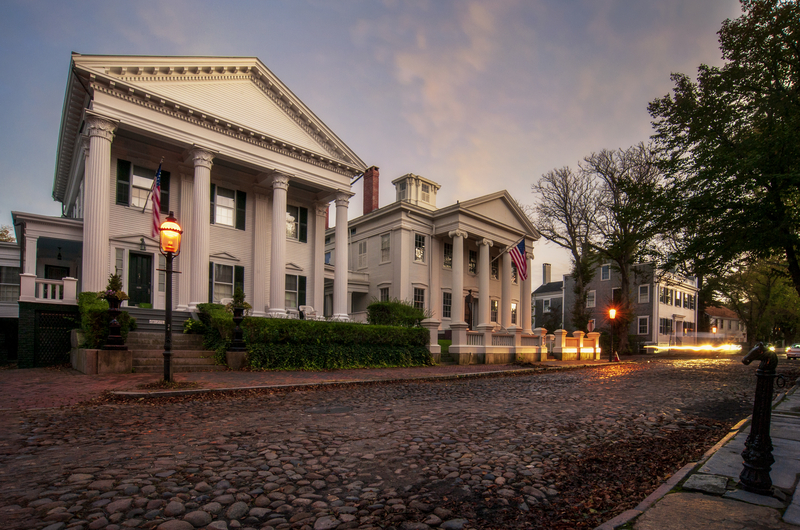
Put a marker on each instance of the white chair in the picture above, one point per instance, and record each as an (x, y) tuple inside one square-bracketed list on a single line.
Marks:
[(307, 312)]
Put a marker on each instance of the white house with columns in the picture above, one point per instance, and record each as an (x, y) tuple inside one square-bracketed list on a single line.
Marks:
[(451, 261), (248, 170)]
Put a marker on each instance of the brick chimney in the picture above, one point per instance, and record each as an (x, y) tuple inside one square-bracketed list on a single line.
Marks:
[(545, 273), (371, 185)]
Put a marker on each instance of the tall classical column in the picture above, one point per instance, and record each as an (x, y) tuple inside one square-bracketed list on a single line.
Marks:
[(185, 184), (525, 298), (340, 257), (97, 206), (260, 255), (484, 274), (505, 300), (200, 238), (457, 309), (321, 210), (277, 273)]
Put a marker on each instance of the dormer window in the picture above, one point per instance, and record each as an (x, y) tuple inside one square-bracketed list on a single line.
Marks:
[(402, 191), (426, 193)]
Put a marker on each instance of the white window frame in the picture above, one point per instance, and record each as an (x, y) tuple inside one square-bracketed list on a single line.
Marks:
[(644, 294), (362, 254), (447, 304), (419, 298), (646, 320), (591, 298), (546, 305), (386, 248), (402, 191), (141, 184), (419, 248), (514, 313), (218, 267), (425, 192), (447, 252), (605, 272), (222, 211), (10, 287), (383, 294), (494, 310)]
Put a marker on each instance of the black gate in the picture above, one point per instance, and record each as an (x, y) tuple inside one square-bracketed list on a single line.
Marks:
[(51, 332)]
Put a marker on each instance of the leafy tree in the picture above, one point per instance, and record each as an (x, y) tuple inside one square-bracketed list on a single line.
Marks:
[(731, 146), (564, 214), (7, 234)]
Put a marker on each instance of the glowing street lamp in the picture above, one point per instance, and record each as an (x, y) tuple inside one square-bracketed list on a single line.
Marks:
[(714, 331), (170, 247), (612, 314)]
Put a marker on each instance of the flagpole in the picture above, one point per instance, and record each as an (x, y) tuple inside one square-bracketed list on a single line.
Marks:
[(509, 247), (152, 186)]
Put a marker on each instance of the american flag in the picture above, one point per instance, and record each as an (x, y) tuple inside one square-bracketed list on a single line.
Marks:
[(156, 203), (519, 259)]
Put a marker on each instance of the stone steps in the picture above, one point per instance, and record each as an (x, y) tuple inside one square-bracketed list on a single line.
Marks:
[(152, 361), (145, 340)]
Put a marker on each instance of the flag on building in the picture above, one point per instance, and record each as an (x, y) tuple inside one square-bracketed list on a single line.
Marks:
[(157, 203), (519, 259)]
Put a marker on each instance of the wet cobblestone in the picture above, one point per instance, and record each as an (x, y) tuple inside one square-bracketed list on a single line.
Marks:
[(385, 456)]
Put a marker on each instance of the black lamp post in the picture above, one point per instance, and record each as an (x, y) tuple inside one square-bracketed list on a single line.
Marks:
[(170, 247), (612, 314)]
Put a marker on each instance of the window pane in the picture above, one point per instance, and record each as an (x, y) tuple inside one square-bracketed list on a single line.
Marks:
[(225, 206), (9, 275), (222, 291), (291, 282), (448, 256), (223, 274), (292, 216), (9, 293)]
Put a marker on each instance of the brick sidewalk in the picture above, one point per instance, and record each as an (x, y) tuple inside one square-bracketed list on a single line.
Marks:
[(34, 388)]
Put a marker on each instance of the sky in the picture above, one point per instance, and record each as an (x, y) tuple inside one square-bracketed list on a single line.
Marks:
[(477, 96)]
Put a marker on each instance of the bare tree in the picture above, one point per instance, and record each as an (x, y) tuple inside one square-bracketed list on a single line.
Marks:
[(565, 214), (627, 214)]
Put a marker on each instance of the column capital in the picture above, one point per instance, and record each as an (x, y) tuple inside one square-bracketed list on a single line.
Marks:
[(85, 145), (458, 233), (201, 157), (280, 182), (487, 242), (321, 208), (343, 198), (100, 126)]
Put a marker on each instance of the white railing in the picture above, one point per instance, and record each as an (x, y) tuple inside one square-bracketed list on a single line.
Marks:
[(502, 340), (33, 289), (530, 341), (474, 339)]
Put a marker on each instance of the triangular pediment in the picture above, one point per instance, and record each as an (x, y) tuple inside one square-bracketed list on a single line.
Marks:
[(223, 256), (294, 267), (501, 207), (236, 93)]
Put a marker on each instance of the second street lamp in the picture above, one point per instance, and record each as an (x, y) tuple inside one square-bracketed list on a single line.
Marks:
[(612, 314), (170, 247)]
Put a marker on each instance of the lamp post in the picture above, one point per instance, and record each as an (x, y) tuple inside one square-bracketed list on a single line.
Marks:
[(714, 331), (170, 247), (612, 314)]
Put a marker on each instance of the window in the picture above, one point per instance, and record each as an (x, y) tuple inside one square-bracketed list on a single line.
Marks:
[(546, 305), (690, 298), (678, 302), (9, 284), (495, 270), (419, 298), (228, 207), (223, 279), (402, 192), (384, 294), (513, 273), (297, 223), (426, 193), (119, 262), (328, 258), (513, 313), (667, 296), (473, 262), (448, 256), (662, 295), (362, 254), (494, 309), (605, 272), (644, 325), (295, 291), (447, 304), (616, 295), (665, 326), (644, 294), (162, 274), (134, 184), (385, 247), (591, 298), (419, 248)]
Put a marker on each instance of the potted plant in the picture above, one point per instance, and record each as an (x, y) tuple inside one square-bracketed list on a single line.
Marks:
[(114, 295), (235, 356)]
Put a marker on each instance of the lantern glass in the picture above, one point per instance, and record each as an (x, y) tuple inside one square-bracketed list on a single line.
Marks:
[(170, 235), (612, 313)]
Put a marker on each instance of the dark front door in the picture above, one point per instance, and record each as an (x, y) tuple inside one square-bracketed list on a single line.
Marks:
[(140, 276)]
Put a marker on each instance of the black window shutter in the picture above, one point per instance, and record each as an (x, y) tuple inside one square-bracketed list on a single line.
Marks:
[(241, 208), (165, 192), (238, 278), (301, 290), (213, 196), (211, 281), (302, 234), (123, 182)]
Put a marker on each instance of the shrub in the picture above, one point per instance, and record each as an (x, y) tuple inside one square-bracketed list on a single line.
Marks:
[(218, 325), (276, 344), (95, 320), (394, 313)]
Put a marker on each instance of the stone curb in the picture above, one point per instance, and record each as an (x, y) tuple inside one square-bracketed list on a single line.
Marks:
[(139, 394), (660, 492)]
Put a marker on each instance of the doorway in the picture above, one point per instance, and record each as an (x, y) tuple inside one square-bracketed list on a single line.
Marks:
[(140, 279)]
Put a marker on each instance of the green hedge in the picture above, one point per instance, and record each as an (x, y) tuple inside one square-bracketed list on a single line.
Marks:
[(276, 344), (394, 313), (95, 320)]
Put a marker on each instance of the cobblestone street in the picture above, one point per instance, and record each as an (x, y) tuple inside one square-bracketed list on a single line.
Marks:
[(447, 454)]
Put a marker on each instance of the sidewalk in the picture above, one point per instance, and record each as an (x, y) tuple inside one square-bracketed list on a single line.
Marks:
[(708, 496)]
